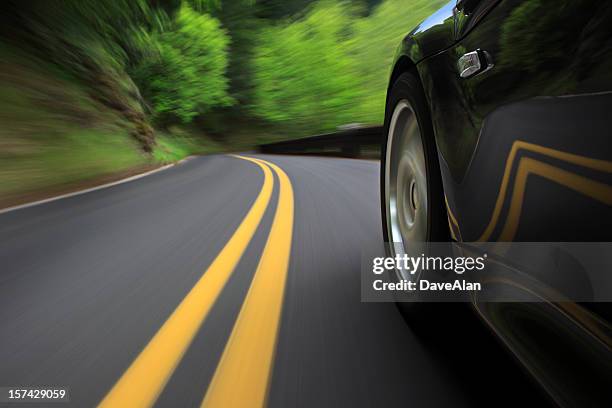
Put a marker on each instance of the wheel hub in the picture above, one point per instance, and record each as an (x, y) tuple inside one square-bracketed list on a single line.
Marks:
[(405, 180)]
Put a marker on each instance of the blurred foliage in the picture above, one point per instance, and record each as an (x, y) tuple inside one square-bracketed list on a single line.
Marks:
[(304, 73), (177, 143), (331, 66), (237, 71), (184, 75), (375, 40), (303, 65)]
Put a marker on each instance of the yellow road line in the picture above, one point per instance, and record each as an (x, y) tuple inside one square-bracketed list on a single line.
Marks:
[(243, 374), (145, 379)]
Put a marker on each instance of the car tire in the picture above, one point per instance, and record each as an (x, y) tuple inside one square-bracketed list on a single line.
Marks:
[(407, 93)]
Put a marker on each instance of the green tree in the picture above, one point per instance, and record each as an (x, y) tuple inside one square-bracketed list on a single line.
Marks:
[(184, 76), (375, 40), (303, 74), (331, 66)]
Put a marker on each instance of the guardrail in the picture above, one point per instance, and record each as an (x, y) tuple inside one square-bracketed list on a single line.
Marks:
[(354, 142)]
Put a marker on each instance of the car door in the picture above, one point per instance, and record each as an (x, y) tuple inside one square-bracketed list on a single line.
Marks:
[(525, 147), (530, 127)]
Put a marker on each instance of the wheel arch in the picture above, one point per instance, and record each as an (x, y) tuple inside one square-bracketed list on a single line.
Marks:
[(403, 64)]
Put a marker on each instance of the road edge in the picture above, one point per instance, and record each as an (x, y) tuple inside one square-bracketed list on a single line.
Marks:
[(94, 188)]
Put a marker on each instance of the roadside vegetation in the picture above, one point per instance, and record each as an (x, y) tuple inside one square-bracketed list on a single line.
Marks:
[(91, 88)]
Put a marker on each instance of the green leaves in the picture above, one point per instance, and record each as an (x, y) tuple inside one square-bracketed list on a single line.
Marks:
[(186, 76), (304, 73), (303, 66), (331, 67)]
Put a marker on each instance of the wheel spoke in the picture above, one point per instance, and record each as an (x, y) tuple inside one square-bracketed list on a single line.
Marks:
[(405, 180)]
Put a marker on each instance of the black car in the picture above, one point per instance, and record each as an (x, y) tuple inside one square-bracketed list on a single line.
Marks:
[(499, 129)]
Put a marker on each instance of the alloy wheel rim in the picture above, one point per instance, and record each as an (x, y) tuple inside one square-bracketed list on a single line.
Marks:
[(405, 181)]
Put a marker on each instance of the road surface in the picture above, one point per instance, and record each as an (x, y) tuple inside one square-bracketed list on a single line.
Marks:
[(137, 294)]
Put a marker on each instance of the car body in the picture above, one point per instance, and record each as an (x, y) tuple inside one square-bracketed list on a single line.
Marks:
[(519, 98)]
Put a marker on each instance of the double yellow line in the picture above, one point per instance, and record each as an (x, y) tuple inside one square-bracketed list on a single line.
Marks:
[(243, 374)]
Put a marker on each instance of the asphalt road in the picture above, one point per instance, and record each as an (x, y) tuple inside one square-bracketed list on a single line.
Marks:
[(112, 294)]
